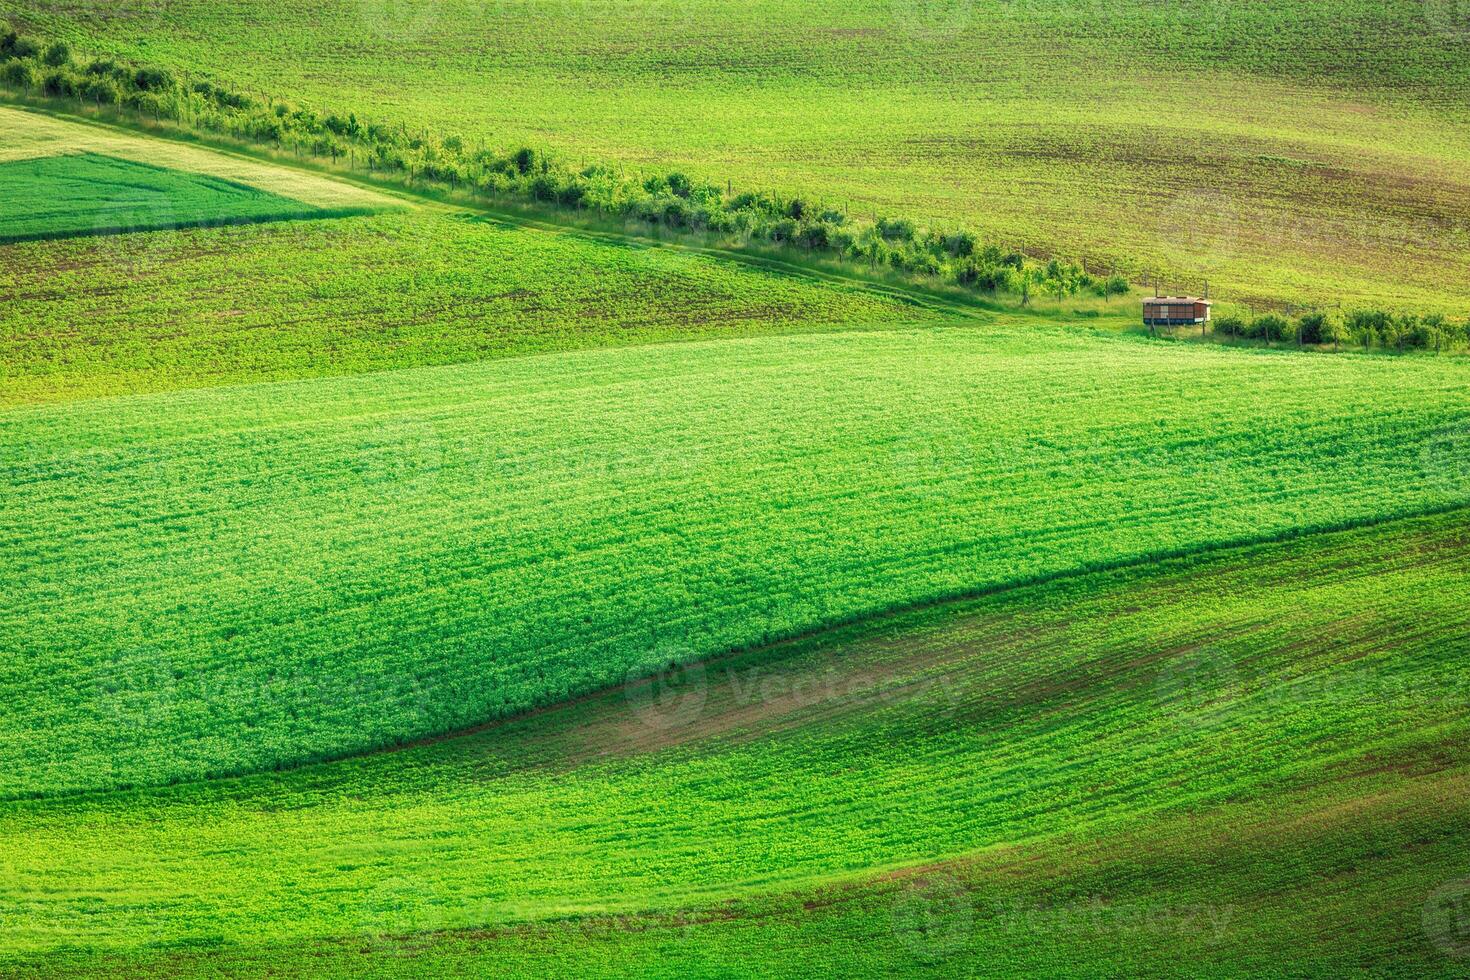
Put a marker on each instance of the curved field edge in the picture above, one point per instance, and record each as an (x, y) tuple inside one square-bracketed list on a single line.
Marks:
[(1105, 738), (218, 581)]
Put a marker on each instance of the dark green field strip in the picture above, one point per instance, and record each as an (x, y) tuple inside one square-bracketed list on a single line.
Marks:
[(1273, 733), (320, 568), (87, 194), (189, 309)]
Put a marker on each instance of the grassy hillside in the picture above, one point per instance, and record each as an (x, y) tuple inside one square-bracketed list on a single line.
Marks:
[(184, 309), (390, 595), (1208, 763), (417, 285), (274, 573), (1127, 131)]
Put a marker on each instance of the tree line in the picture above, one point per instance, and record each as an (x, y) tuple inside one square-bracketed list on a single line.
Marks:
[(1368, 328), (670, 201)]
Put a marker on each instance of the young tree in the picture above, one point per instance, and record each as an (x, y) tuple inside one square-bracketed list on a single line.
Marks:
[(101, 91), (1311, 328), (896, 230), (1026, 280), (1368, 327), (1393, 332), (1232, 326), (960, 245), (18, 74), (57, 55), (1271, 326), (1334, 332)]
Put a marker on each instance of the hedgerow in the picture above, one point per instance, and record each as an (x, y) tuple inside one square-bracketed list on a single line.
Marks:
[(673, 201), (1367, 328)]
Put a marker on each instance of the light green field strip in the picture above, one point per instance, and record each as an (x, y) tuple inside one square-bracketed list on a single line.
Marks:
[(27, 135), (1295, 150), (1212, 732), (305, 570), (187, 309)]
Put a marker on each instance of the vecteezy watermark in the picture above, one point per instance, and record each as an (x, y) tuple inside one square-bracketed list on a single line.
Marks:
[(924, 460), (1200, 230), (1446, 918), (135, 233), (936, 918), (401, 21), (1196, 687), (1445, 458), (397, 908), (672, 693), (1200, 688), (932, 19), (671, 690), (1370, 687), (933, 918), (136, 687), (1448, 18), (1097, 916), (401, 458)]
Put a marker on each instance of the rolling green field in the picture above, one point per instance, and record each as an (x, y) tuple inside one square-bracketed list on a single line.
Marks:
[(1285, 152), (414, 589), (230, 305), (402, 554), (1078, 768)]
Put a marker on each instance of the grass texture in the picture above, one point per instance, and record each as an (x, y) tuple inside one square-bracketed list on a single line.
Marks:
[(285, 572), (1200, 766)]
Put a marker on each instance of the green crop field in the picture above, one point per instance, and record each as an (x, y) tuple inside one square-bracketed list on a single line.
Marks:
[(1286, 152), (1108, 735), (64, 196), (439, 546), (482, 493), (187, 308)]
